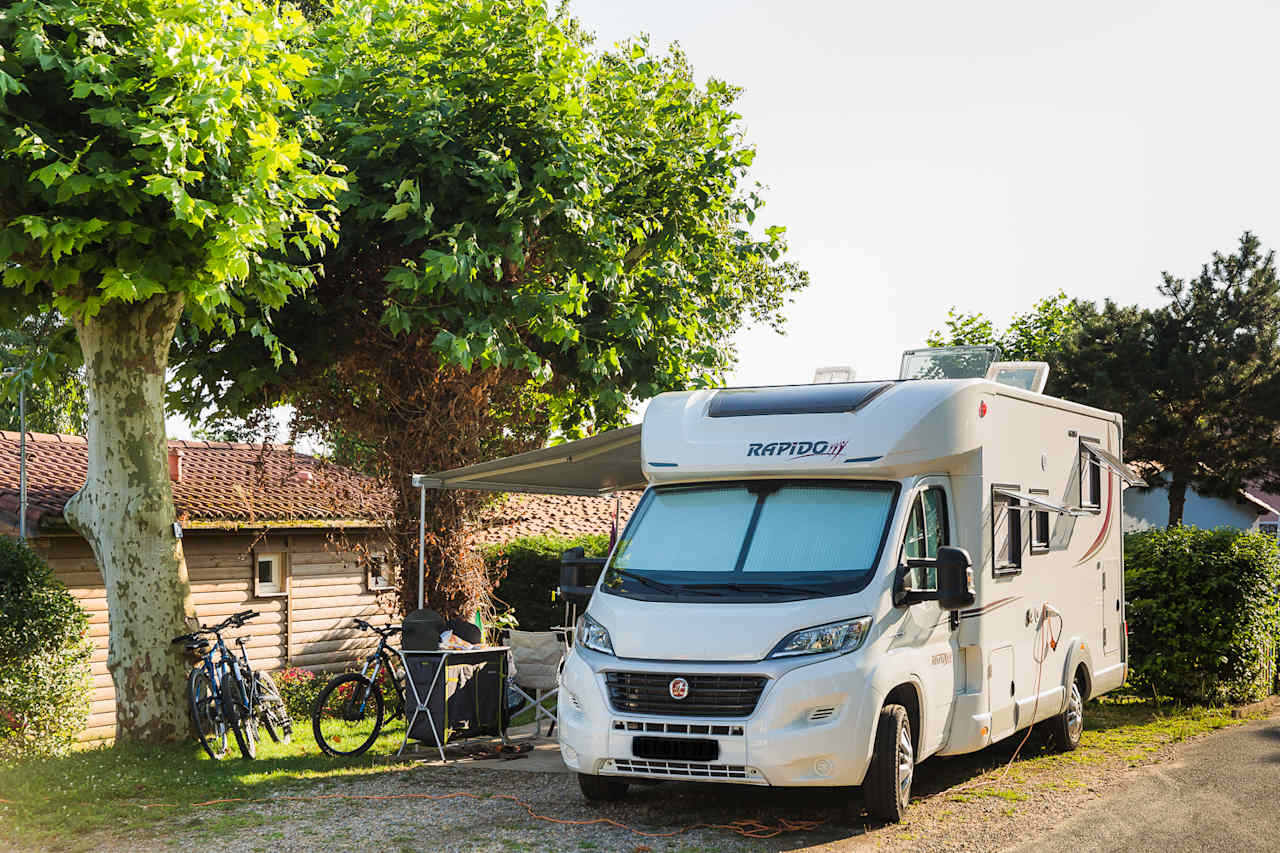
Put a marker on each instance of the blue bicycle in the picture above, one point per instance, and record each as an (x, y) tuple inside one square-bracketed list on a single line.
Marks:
[(226, 695)]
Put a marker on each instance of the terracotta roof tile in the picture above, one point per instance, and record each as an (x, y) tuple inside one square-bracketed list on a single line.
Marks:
[(551, 515), (220, 483)]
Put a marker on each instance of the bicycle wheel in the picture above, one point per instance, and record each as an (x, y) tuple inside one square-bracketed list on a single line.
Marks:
[(273, 713), (389, 682), (206, 714), (347, 716), (242, 725)]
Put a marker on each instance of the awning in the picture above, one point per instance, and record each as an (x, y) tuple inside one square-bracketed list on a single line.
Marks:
[(608, 462), (1113, 462), (1027, 499)]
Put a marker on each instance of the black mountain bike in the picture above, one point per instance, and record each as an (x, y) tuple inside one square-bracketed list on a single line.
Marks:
[(350, 711), (226, 695)]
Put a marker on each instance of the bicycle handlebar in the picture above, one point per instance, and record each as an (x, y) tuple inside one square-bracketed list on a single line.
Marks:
[(384, 631), (236, 620)]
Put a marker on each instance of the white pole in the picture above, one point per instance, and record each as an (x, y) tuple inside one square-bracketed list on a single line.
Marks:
[(22, 462), (422, 543)]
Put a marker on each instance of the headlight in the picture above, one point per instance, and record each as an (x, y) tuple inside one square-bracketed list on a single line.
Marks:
[(593, 635), (834, 637)]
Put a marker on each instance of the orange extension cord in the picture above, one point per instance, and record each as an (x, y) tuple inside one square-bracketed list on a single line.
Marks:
[(1046, 643), (745, 828)]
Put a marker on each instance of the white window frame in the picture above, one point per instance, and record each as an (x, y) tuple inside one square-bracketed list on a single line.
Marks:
[(1012, 510), (278, 585), (377, 581)]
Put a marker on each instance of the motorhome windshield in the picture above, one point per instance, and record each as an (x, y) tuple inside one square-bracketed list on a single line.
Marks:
[(751, 540)]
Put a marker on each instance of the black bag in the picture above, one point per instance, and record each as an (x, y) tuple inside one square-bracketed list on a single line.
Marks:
[(422, 630), (464, 630)]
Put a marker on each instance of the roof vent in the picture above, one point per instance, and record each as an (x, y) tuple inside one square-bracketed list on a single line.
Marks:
[(795, 399), (175, 464)]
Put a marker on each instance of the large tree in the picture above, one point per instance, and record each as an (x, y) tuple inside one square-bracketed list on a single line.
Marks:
[(150, 169), (1197, 379), (536, 235)]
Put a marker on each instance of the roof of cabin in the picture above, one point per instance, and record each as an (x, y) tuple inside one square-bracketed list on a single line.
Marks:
[(221, 485)]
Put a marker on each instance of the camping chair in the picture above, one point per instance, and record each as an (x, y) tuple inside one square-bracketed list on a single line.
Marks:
[(537, 656)]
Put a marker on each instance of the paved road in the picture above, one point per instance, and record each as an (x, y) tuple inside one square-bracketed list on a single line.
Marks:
[(1219, 793)]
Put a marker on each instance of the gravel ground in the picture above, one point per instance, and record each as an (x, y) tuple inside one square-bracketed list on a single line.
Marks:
[(951, 811)]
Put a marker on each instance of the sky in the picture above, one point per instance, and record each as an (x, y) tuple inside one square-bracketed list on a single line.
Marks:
[(983, 155)]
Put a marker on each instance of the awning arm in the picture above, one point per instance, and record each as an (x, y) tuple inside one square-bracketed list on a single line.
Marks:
[(1113, 462), (1026, 499)]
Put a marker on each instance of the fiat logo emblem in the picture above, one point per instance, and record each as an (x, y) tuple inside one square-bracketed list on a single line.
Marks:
[(679, 688)]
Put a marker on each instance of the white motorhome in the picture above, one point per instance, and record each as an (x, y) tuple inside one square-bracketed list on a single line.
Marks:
[(826, 584)]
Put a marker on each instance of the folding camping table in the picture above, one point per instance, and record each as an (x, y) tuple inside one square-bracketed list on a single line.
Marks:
[(421, 699)]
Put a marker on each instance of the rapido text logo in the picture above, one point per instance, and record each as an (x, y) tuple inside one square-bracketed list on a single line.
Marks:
[(796, 449)]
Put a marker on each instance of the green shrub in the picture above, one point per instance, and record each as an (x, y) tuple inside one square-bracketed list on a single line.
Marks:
[(299, 689), (526, 571), (44, 658), (1203, 614)]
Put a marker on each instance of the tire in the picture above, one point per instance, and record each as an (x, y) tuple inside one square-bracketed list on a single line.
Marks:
[(244, 728), (602, 789), (206, 714), (1064, 731), (347, 716), (887, 788), (274, 714)]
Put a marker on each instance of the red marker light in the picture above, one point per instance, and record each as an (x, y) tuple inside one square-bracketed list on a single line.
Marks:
[(982, 409)]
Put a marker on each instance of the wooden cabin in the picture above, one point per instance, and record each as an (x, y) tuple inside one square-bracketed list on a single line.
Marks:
[(263, 528)]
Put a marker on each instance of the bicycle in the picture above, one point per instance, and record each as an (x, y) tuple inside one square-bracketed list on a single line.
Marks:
[(225, 694), (350, 709)]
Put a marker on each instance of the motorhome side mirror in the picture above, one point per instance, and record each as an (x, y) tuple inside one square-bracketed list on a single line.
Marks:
[(955, 578), (572, 571)]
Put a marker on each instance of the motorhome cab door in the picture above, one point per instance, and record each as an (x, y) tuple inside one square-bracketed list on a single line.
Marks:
[(925, 627)]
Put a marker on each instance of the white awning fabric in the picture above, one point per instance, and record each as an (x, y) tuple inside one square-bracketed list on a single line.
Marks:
[(1027, 499), (1113, 462), (604, 463)]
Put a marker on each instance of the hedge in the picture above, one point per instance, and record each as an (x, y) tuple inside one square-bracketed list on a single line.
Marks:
[(526, 570), (1204, 614), (45, 681)]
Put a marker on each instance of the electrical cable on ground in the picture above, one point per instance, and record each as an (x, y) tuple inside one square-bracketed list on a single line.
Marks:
[(1046, 642), (745, 828)]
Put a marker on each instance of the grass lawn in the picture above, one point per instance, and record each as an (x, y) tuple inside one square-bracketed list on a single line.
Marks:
[(66, 802)]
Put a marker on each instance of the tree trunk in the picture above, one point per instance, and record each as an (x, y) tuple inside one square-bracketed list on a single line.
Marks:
[(1177, 498), (125, 512)]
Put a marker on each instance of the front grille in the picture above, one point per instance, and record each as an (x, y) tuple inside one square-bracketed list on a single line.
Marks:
[(708, 696), (681, 769), (675, 748)]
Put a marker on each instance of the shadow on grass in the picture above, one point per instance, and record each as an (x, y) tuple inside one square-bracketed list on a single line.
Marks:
[(65, 801)]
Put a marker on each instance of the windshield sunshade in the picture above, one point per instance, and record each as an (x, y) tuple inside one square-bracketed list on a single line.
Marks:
[(795, 399), (752, 537)]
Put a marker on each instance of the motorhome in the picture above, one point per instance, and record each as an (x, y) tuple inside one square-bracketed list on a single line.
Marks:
[(824, 585)]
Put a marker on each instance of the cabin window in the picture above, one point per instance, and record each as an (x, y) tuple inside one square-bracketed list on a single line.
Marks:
[(268, 574), (377, 572), (926, 532), (1090, 480), (1006, 532), (1039, 526)]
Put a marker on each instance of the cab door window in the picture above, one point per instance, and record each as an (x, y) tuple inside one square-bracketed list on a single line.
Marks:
[(926, 532)]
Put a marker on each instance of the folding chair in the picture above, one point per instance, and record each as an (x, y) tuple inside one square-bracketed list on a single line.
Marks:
[(537, 656)]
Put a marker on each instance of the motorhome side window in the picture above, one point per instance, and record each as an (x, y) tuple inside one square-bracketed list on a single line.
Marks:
[(926, 532), (1090, 479), (1040, 526), (1006, 533)]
